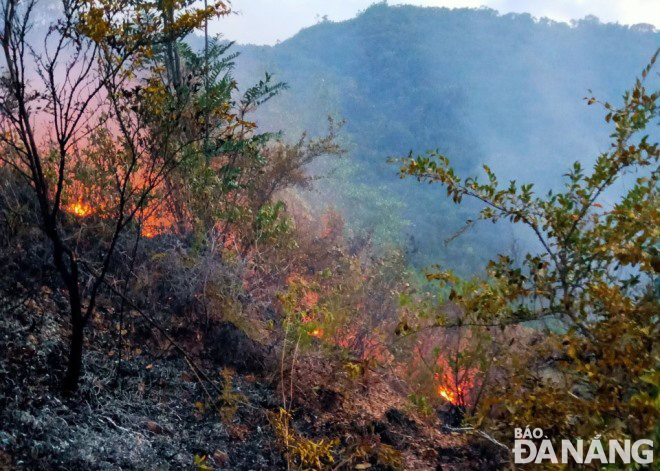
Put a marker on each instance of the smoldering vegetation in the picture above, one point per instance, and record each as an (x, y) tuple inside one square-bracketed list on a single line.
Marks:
[(207, 266)]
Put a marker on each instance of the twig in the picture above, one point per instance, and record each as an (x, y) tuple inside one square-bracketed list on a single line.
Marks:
[(479, 432), (198, 372), (202, 384)]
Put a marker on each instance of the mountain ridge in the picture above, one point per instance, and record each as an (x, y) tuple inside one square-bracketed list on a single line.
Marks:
[(506, 90)]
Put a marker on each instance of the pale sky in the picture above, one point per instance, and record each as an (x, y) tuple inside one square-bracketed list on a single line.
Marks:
[(267, 21)]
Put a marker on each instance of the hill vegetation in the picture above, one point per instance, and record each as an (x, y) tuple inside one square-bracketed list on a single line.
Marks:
[(197, 274), (506, 90)]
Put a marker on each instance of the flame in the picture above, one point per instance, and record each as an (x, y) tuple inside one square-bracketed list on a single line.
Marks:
[(80, 209), (82, 199), (153, 224), (149, 233), (318, 332), (449, 395), (455, 391)]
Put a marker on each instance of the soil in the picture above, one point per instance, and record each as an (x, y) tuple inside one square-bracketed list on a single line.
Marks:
[(157, 415)]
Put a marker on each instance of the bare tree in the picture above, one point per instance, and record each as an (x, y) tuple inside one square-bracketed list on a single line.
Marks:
[(76, 104)]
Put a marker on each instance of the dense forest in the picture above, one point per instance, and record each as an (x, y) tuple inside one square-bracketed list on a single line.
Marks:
[(420, 239), (506, 90)]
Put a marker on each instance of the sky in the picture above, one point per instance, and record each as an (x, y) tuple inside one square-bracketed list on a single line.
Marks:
[(269, 21)]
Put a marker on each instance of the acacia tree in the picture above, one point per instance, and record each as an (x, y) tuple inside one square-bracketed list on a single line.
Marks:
[(598, 369), (71, 107)]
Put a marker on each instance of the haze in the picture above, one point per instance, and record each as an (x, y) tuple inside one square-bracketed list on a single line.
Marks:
[(267, 21)]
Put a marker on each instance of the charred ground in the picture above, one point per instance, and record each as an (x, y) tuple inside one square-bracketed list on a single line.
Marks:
[(156, 414)]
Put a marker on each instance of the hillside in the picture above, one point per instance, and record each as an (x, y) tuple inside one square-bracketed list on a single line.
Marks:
[(506, 90), (204, 268)]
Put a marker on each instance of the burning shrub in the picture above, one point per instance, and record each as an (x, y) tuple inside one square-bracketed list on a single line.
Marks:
[(588, 292)]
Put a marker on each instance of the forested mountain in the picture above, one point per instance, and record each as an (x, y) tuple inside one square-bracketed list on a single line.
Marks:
[(506, 90)]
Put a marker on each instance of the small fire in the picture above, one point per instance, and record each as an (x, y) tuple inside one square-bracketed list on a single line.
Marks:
[(454, 391), (149, 233), (449, 395), (80, 209), (318, 332), (153, 224)]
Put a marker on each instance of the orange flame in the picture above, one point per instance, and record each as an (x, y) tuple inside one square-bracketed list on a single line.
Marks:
[(454, 392), (80, 209), (449, 395), (155, 224), (318, 332), (152, 225)]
